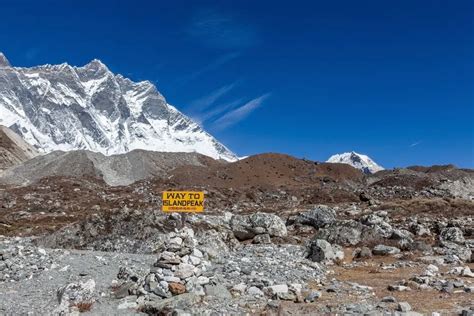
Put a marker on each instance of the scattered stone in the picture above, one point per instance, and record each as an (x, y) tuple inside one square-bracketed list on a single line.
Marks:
[(217, 290), (255, 291), (276, 289), (262, 239), (398, 288), (389, 299), (312, 296)]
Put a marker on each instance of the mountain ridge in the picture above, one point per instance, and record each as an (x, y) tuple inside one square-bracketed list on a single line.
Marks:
[(64, 107)]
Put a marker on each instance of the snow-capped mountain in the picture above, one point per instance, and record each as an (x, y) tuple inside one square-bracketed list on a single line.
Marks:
[(356, 160), (63, 107)]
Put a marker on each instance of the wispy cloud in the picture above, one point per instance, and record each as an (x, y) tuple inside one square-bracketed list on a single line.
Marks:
[(205, 102), (219, 30), (240, 113), (415, 144), (213, 65), (216, 111)]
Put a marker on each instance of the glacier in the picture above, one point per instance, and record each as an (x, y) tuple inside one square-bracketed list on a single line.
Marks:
[(64, 107)]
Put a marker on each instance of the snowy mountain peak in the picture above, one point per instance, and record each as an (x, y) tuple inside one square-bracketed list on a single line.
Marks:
[(63, 107), (356, 160), (4, 61)]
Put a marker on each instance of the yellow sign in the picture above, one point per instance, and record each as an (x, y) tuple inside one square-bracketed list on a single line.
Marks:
[(183, 201)]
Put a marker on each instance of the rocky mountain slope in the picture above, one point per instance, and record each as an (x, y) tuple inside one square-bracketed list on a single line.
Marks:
[(122, 169), (13, 149), (356, 160), (63, 107)]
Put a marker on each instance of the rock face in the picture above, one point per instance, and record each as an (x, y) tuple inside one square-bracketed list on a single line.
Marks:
[(61, 107), (356, 160), (4, 61), (13, 149)]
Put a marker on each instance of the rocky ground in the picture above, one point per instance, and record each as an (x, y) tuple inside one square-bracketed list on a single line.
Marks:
[(291, 238)]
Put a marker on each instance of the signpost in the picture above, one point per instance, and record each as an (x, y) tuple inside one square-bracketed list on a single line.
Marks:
[(183, 202)]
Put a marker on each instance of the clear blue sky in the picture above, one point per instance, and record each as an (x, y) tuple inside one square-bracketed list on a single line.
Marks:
[(391, 79)]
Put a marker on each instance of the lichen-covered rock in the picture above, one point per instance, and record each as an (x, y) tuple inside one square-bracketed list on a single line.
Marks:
[(451, 234)]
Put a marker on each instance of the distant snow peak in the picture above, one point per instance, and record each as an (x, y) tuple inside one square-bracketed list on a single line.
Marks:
[(356, 160), (63, 107)]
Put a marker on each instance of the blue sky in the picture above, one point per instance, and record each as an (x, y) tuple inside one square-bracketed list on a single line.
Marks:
[(391, 79)]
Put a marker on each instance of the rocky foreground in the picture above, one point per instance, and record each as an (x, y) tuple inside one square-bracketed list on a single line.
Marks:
[(324, 260)]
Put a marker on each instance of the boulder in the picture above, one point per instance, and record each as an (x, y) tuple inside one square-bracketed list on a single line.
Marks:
[(319, 250), (79, 294), (450, 249), (404, 307), (362, 253), (247, 227), (382, 250), (346, 233), (451, 234), (317, 217)]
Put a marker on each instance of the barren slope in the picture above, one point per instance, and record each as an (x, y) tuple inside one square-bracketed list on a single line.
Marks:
[(13, 149)]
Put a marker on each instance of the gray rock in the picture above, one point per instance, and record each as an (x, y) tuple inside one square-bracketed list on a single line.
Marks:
[(389, 299), (262, 239), (320, 250), (454, 249), (183, 301), (346, 233), (276, 289), (255, 291), (451, 234), (312, 296), (248, 226), (75, 293), (404, 307), (363, 253), (382, 250), (217, 290), (317, 217)]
